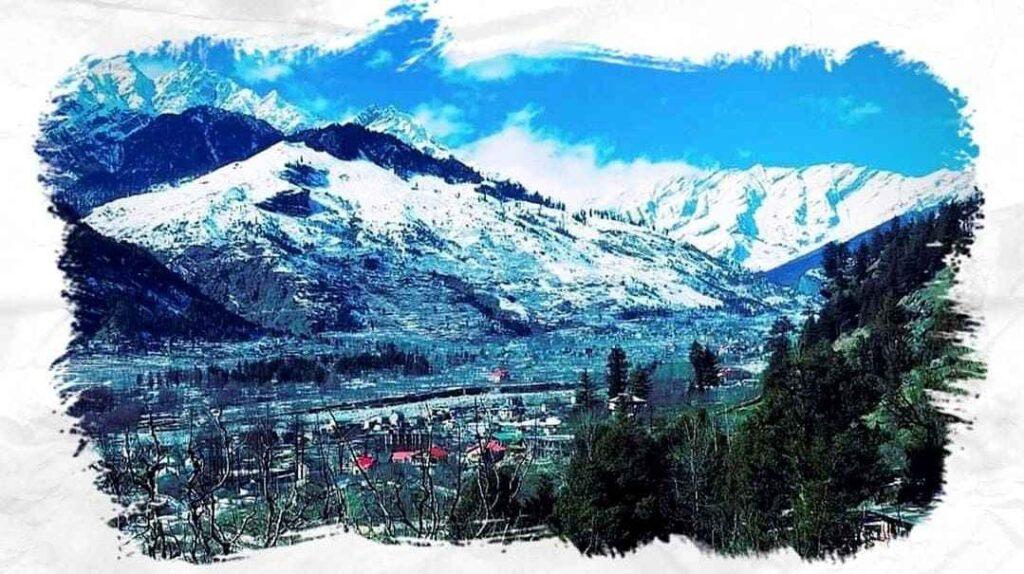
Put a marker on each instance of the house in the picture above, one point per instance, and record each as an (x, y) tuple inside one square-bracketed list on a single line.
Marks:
[(734, 375), (631, 404), (551, 447), (509, 436), (403, 456), (626, 400), (491, 451), (407, 456), (440, 415), (396, 419), (499, 375), (512, 409), (437, 453), (363, 463)]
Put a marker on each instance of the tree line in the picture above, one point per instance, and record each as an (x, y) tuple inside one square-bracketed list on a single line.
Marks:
[(622, 379), (844, 424), (293, 368)]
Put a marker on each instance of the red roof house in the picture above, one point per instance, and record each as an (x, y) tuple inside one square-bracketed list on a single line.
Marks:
[(493, 450), (365, 462), (403, 456)]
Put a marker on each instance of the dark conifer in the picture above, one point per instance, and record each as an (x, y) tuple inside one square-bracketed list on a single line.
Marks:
[(618, 367)]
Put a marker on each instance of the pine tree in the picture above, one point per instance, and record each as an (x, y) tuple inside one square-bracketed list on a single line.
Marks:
[(711, 369), (697, 362), (616, 494), (640, 383), (705, 367), (861, 261), (830, 260), (586, 394), (618, 367)]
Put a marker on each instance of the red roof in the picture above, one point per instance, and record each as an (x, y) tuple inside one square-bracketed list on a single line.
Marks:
[(365, 461), (492, 445), (403, 456), (438, 453)]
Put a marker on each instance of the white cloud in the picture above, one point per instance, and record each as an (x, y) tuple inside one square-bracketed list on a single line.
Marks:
[(570, 172), (855, 114), (260, 70), (443, 122), (504, 66), (380, 59), (844, 109), (491, 69)]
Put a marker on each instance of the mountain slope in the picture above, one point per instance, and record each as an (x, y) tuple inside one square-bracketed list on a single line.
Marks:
[(192, 85), (389, 120), (302, 240), (91, 144), (169, 148), (121, 294), (107, 87), (353, 141), (176, 146), (763, 217), (103, 103)]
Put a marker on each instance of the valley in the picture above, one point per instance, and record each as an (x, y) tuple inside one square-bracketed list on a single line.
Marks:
[(554, 358), (284, 324)]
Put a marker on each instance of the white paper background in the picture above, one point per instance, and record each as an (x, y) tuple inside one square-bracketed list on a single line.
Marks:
[(51, 515)]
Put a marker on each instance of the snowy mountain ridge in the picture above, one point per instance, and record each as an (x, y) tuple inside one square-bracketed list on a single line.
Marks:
[(296, 239), (390, 120), (760, 217), (119, 85), (763, 217)]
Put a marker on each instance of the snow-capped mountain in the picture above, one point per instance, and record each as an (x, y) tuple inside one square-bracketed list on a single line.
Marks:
[(299, 239), (169, 148), (112, 84), (96, 108), (118, 84), (763, 217), (120, 293), (390, 120), (192, 85)]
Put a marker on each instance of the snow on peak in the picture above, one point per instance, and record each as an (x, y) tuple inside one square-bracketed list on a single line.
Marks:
[(390, 120), (401, 245), (192, 85), (117, 84), (762, 217)]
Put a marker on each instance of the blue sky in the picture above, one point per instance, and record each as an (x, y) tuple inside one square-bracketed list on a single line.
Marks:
[(872, 109)]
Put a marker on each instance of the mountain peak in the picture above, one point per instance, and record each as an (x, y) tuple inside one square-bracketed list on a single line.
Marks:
[(438, 248), (374, 112), (762, 217), (113, 84), (390, 120), (353, 141), (117, 84)]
